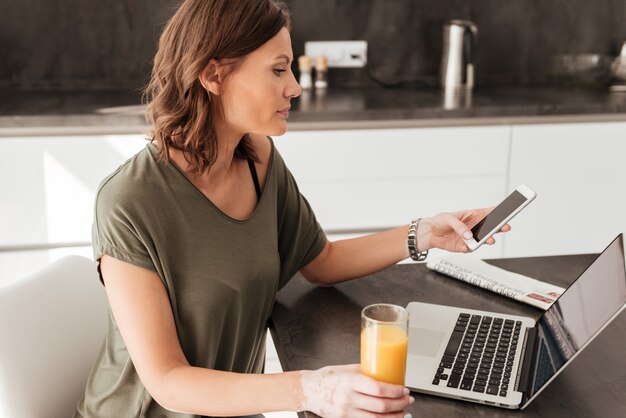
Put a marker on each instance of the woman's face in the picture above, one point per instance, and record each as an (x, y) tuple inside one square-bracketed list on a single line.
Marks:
[(256, 94)]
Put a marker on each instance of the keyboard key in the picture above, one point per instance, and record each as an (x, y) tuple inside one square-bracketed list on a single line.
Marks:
[(475, 319), (498, 321), (459, 329), (435, 381), (487, 319), (492, 390), (466, 384), (440, 370), (494, 382), (447, 359), (504, 386), (503, 393), (453, 343), (464, 315), (443, 377), (479, 389), (454, 381), (509, 321)]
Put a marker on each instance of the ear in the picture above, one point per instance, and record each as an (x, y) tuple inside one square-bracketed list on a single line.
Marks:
[(212, 77)]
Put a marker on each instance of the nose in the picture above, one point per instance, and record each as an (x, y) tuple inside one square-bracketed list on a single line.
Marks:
[(293, 89)]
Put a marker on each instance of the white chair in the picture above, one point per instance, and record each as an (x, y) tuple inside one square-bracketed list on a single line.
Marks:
[(52, 325)]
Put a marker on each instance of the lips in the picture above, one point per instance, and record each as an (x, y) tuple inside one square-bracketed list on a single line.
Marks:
[(284, 111)]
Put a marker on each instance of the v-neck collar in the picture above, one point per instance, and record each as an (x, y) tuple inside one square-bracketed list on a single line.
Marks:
[(268, 178)]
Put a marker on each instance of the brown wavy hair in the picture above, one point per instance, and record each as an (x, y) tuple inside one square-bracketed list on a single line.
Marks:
[(179, 109)]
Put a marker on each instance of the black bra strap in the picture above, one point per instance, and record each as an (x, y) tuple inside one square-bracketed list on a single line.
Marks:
[(255, 179)]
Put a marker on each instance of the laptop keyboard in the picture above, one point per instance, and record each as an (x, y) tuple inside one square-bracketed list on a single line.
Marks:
[(479, 356)]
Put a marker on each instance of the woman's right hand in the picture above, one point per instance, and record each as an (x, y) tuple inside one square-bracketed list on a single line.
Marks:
[(342, 391)]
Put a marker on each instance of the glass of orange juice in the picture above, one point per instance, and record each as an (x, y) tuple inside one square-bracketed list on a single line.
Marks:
[(384, 342)]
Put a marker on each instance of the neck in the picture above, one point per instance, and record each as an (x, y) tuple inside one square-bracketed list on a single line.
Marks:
[(227, 142)]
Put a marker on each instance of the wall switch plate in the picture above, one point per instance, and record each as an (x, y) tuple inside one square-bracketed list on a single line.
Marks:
[(346, 54)]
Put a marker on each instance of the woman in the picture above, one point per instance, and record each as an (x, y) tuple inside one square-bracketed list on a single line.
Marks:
[(197, 232)]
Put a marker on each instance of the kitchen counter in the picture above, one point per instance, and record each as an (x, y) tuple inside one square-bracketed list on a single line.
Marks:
[(38, 112)]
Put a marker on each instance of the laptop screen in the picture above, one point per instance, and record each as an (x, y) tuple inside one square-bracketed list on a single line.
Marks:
[(581, 311)]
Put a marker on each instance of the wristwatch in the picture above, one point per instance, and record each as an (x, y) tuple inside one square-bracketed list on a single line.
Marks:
[(412, 242)]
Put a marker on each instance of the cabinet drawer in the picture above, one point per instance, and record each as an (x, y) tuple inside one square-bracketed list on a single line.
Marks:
[(396, 153), (48, 185), (341, 206)]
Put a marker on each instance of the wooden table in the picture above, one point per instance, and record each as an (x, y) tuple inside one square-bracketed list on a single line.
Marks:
[(314, 327)]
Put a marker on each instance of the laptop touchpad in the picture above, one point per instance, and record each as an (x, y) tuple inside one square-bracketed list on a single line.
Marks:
[(425, 342)]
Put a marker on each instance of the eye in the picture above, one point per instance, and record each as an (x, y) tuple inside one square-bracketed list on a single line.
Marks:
[(277, 71)]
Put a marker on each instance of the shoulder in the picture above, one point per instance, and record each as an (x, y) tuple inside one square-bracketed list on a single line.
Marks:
[(127, 182)]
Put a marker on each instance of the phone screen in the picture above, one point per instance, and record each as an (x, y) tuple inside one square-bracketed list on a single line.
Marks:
[(497, 215)]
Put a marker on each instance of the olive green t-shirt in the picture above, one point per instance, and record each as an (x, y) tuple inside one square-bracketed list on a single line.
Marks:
[(221, 274)]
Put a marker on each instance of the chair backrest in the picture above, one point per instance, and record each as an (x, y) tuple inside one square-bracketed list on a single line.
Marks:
[(52, 325)]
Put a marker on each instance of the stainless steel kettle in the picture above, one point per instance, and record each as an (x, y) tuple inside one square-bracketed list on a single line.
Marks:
[(457, 63)]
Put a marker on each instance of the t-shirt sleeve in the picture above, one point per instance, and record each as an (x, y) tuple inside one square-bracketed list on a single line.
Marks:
[(300, 236), (117, 230)]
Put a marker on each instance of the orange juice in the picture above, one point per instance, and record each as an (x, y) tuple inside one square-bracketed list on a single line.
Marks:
[(383, 353)]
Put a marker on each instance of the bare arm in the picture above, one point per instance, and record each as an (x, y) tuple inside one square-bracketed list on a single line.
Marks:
[(357, 257), (144, 317)]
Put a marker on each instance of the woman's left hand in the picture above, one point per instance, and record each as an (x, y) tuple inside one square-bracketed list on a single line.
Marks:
[(448, 230)]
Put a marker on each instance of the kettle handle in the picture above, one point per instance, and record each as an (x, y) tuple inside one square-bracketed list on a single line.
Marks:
[(468, 46)]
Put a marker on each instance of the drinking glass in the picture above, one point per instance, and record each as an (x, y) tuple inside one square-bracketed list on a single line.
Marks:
[(384, 342)]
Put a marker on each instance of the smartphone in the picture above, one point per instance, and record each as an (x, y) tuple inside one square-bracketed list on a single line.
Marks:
[(500, 215)]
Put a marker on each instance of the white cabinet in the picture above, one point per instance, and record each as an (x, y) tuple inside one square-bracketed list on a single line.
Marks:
[(579, 174), (367, 180), (48, 185), (361, 181)]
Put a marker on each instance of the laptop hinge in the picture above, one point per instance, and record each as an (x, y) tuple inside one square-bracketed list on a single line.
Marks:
[(526, 360)]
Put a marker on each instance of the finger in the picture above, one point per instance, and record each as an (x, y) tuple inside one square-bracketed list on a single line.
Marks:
[(382, 405), (505, 228), (490, 241), (459, 227), (368, 386)]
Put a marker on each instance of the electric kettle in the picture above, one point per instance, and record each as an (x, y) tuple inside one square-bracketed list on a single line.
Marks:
[(457, 63)]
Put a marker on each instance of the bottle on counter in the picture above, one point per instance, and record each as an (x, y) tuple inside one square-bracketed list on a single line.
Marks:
[(305, 66), (321, 72), (618, 71)]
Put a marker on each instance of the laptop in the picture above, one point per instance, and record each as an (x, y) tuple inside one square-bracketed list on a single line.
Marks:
[(507, 360)]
